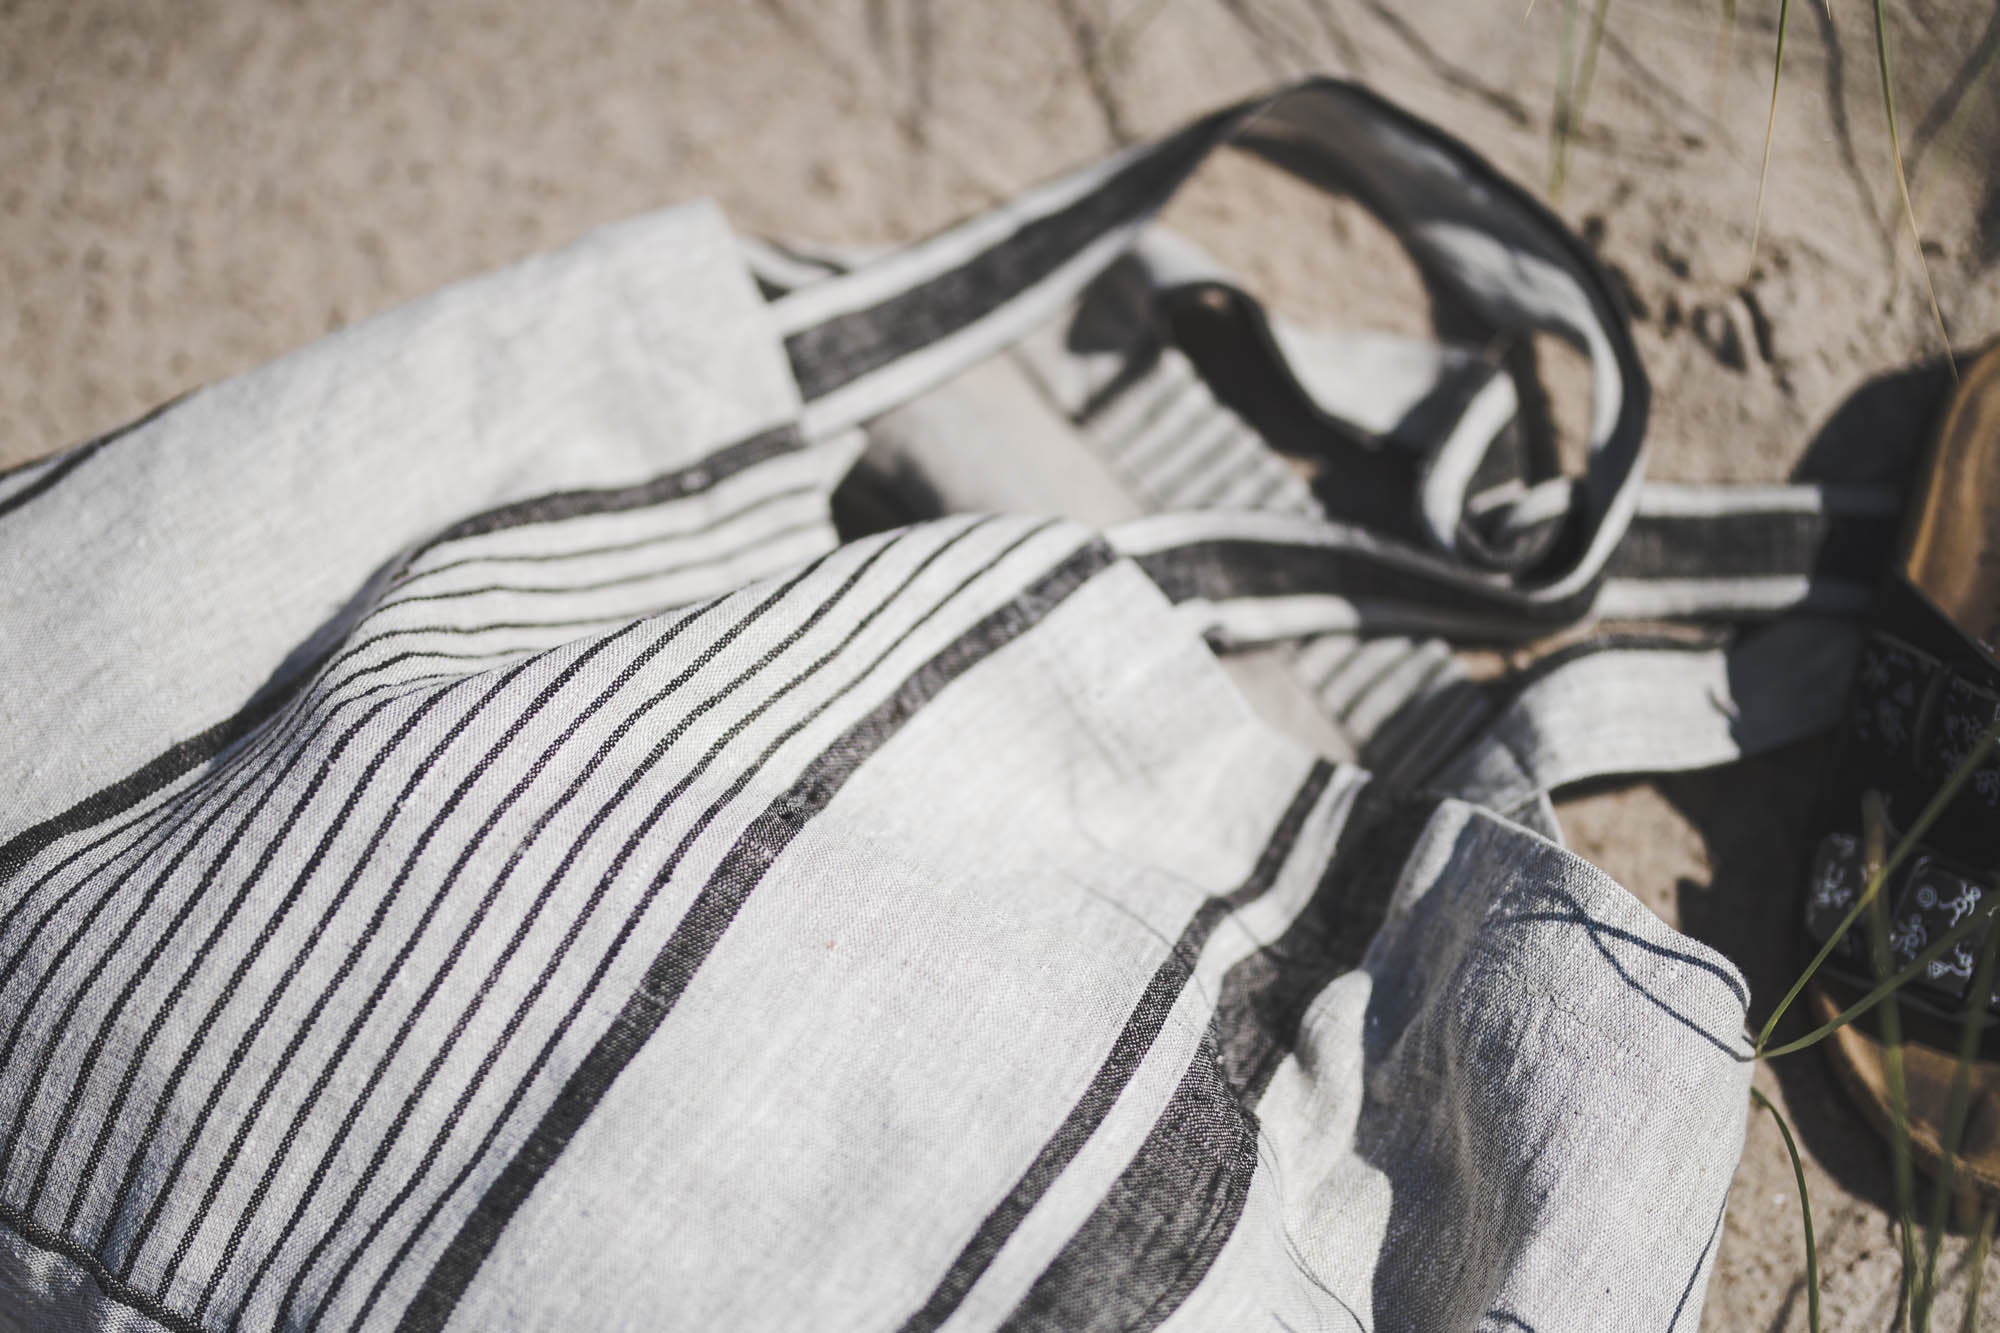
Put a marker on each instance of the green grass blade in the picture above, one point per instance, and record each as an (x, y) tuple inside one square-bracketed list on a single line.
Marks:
[(1770, 127), (1805, 1210), (1886, 987), (1587, 75), (1961, 775), (1958, 1105), (1573, 93), (1981, 1244), (1874, 839), (1559, 125), (1902, 183), (1946, 140)]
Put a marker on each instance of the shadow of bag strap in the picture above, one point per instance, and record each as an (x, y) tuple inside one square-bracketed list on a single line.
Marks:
[(1624, 705)]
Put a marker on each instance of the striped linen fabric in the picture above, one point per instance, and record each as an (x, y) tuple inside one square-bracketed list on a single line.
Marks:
[(696, 784)]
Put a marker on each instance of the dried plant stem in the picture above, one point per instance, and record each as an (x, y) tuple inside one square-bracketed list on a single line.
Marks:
[(1956, 1109), (1982, 1243), (1770, 124), (1902, 182)]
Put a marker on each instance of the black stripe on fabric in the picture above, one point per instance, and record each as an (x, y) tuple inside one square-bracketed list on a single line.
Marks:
[(164, 769), (162, 939), (1231, 569), (522, 927), (287, 1059), (213, 798), (72, 459), (184, 756), (265, 792), (273, 917), (1146, 1247), (1156, 1234), (1843, 549), (714, 525), (385, 1140), (324, 1080), (849, 346), (1263, 1002), (1127, 1052), (676, 485), (637, 836), (1846, 548), (142, 1152), (710, 915), (88, 1257), (188, 805), (762, 541), (114, 1287), (80, 935)]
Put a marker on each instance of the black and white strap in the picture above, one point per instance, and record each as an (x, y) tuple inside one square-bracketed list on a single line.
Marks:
[(865, 338)]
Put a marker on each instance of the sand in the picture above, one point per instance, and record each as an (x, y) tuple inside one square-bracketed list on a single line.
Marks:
[(188, 190)]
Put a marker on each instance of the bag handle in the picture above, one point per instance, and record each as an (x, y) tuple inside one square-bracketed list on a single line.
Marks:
[(866, 338)]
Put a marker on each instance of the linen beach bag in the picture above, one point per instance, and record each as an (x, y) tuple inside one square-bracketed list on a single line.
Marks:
[(480, 851)]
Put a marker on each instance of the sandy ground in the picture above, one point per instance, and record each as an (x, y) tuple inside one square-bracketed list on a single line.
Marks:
[(189, 189)]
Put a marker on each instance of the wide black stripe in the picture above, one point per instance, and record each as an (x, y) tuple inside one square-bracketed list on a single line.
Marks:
[(637, 836), (1127, 1052), (184, 756), (1156, 1234), (1231, 569), (713, 909), (71, 460), (1853, 550), (386, 1140), (849, 346), (1845, 548), (1262, 1005)]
